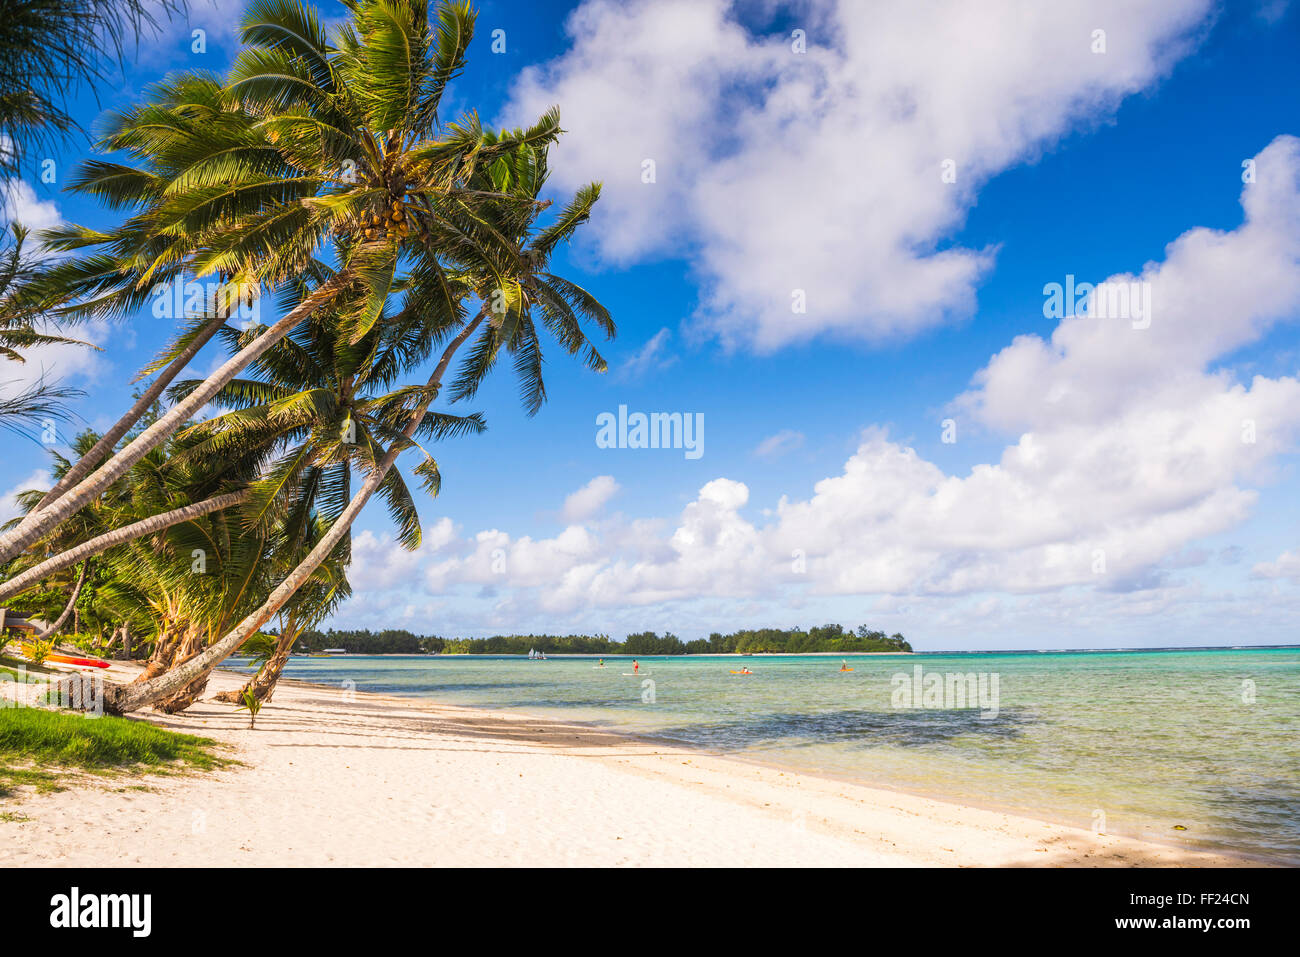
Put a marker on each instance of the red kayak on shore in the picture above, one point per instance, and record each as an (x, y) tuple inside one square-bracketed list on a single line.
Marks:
[(71, 660), (84, 662)]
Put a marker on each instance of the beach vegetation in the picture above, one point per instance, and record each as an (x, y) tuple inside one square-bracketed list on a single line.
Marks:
[(321, 173), (38, 651), (827, 639), (49, 50), (250, 702), (42, 746)]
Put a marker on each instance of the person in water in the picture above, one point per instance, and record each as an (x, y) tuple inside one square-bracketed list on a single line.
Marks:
[(635, 666), (844, 665), (602, 663)]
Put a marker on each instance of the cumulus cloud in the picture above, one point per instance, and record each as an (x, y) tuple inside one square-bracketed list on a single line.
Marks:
[(9, 508), (590, 499), (20, 204), (1286, 566), (46, 363), (64, 364), (1127, 445), (808, 188)]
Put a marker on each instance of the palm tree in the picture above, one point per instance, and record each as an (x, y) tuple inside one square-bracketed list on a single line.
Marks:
[(187, 603), (321, 406), (67, 608), (338, 138), (17, 320), (511, 287), (316, 409), (119, 536), (189, 127), (318, 597), (163, 487), (48, 48), (30, 406)]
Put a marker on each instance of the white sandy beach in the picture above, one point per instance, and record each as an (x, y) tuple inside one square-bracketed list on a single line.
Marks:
[(332, 778)]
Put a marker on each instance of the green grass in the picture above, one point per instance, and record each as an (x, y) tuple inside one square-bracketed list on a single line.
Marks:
[(49, 743), (16, 675), (10, 667)]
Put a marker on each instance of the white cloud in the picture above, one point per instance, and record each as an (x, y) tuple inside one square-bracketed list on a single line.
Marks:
[(590, 499), (66, 364), (379, 563), (820, 172), (9, 509), (1128, 446), (20, 204), (1286, 566), (1214, 292), (787, 440), (69, 365), (650, 357)]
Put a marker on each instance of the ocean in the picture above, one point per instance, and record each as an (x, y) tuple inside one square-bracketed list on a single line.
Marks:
[(1191, 747)]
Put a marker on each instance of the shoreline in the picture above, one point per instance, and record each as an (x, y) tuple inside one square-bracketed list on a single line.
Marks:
[(651, 740), (585, 655), (364, 778)]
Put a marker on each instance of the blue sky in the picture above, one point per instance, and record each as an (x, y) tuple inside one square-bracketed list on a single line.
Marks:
[(1134, 514)]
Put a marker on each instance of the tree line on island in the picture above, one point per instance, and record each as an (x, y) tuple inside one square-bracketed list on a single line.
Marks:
[(825, 638)]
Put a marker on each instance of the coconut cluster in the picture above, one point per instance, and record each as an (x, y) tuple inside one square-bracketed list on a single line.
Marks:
[(392, 221)]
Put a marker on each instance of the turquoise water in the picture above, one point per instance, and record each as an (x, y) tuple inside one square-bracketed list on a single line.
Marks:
[(1149, 739)]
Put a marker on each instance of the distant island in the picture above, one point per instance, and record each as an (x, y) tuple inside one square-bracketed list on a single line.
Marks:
[(833, 639)]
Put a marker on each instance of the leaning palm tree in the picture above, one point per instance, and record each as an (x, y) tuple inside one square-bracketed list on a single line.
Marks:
[(19, 323), (68, 606), (191, 581), (320, 406), (317, 599), (317, 406), (162, 490), (189, 125), (49, 48), (516, 291), (347, 143), (22, 328)]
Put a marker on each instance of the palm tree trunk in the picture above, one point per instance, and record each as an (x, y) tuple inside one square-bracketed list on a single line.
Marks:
[(124, 699), (108, 440), (164, 653), (195, 641), (262, 684), (67, 609), (119, 536), (108, 473)]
